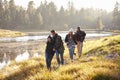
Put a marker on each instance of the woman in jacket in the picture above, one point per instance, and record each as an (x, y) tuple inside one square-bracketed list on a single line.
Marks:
[(71, 42)]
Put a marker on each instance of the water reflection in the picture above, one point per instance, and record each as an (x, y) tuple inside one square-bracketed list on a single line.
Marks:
[(21, 57), (5, 61), (36, 55)]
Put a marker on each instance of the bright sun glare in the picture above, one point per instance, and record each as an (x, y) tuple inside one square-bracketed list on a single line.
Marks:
[(78, 4)]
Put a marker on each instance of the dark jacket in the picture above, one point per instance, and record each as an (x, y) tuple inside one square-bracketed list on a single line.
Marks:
[(49, 47), (58, 43), (68, 36), (80, 36)]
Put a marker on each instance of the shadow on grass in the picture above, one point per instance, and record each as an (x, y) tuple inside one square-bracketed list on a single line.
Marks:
[(104, 77), (24, 72)]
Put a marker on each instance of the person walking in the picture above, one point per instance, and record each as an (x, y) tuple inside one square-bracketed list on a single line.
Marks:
[(71, 42), (49, 53), (80, 36), (58, 47)]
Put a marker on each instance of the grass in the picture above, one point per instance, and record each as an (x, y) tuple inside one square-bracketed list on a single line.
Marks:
[(104, 46), (8, 33), (85, 68)]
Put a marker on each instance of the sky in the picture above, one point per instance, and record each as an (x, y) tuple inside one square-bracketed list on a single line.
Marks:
[(78, 4)]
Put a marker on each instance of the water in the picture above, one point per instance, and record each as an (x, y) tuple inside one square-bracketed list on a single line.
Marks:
[(21, 57), (5, 61), (43, 37)]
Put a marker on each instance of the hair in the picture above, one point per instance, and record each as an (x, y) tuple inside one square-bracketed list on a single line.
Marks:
[(52, 31), (78, 28)]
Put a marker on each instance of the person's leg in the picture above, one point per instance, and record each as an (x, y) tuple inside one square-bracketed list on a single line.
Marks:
[(73, 48), (81, 45), (47, 60), (51, 57), (57, 57), (78, 48), (70, 53), (62, 58)]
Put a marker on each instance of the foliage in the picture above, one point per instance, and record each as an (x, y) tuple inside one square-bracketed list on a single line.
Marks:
[(47, 16), (116, 15)]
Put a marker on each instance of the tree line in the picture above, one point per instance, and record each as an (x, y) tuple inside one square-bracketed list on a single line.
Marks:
[(116, 16), (46, 16)]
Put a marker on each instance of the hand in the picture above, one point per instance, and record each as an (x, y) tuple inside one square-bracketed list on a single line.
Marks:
[(53, 49)]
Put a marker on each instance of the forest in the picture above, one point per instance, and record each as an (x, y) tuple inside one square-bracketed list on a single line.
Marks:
[(46, 16)]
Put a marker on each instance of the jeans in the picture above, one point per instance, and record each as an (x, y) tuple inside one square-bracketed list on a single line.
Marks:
[(71, 51), (61, 59), (49, 57)]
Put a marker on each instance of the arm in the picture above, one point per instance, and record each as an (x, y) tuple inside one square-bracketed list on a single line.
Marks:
[(66, 39)]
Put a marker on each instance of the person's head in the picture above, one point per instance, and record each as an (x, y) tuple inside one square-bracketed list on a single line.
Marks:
[(53, 32), (71, 31), (78, 28), (49, 39)]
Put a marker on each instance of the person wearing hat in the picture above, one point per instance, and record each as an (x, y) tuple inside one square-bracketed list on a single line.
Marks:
[(71, 42), (80, 36)]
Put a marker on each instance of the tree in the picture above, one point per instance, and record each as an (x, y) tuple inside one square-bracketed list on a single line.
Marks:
[(6, 15), (31, 13), (1, 13), (38, 20), (116, 15), (52, 13), (12, 13), (100, 24)]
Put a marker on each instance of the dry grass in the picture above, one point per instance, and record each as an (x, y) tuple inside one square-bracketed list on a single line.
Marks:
[(86, 68), (8, 33)]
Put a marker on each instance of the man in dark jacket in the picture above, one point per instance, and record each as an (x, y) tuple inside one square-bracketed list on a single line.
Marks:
[(58, 47), (80, 36)]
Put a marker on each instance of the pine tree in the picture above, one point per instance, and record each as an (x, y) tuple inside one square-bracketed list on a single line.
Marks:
[(1, 13), (116, 15), (12, 11)]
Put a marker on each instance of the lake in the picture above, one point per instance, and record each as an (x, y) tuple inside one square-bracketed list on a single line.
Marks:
[(44, 36)]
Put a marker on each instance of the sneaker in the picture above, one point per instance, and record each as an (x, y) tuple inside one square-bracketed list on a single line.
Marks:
[(75, 54), (58, 65)]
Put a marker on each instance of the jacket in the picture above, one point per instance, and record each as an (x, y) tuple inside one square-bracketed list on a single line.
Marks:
[(67, 38), (80, 36), (58, 43), (49, 47)]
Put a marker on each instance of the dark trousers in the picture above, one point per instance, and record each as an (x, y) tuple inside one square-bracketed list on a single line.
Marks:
[(49, 57), (60, 60)]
